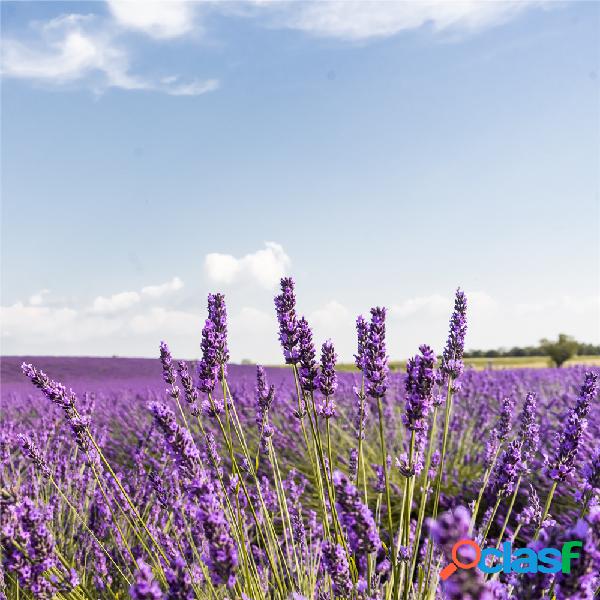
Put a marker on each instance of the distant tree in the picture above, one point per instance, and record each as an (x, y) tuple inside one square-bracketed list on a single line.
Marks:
[(561, 350), (247, 361)]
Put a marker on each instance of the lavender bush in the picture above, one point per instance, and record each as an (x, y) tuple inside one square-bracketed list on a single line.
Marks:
[(300, 482)]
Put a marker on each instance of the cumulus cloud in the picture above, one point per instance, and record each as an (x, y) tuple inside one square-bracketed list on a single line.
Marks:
[(359, 20), (164, 19), (38, 298), (115, 303), (265, 266), (82, 48), (156, 291)]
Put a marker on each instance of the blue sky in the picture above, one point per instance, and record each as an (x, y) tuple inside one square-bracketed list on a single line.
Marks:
[(152, 152)]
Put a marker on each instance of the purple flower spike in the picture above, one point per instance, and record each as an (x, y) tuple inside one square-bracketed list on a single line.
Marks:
[(529, 430), (285, 305), (145, 586), (375, 364), (355, 516), (217, 313), (336, 564), (178, 438), (208, 369), (419, 389), (362, 334), (507, 470), (452, 358), (167, 364), (308, 367), (34, 454), (569, 441), (222, 556), (328, 377)]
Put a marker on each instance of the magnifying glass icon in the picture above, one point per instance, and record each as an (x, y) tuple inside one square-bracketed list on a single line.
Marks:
[(456, 562)]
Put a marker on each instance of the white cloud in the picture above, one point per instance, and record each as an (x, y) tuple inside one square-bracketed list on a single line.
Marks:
[(435, 304), (359, 20), (164, 19), (81, 48), (38, 298), (332, 314), (264, 266), (156, 291), (160, 321), (115, 303)]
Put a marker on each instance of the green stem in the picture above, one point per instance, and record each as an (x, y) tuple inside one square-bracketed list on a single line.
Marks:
[(546, 510)]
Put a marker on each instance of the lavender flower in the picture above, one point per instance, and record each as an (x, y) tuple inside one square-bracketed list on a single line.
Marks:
[(529, 430), (507, 470), (217, 313), (353, 464), (504, 425), (452, 358), (167, 364), (264, 399), (307, 371), (336, 565), (191, 393), (221, 557), (34, 454), (208, 368), (328, 378), (419, 389), (569, 441), (355, 516), (375, 360), (582, 580), (590, 491), (178, 439), (145, 586), (362, 333), (285, 305), (449, 528)]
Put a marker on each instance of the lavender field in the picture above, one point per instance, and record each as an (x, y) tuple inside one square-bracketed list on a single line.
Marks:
[(127, 478)]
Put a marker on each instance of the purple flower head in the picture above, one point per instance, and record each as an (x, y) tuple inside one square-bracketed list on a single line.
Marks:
[(217, 313), (208, 368), (353, 464), (362, 334), (591, 479), (569, 440), (328, 377), (375, 364), (166, 361), (178, 439), (308, 367), (582, 580), (419, 389), (264, 399), (452, 358), (29, 447), (507, 471), (191, 393), (355, 517), (532, 511), (54, 391), (221, 556), (504, 426), (336, 565), (529, 429), (28, 546), (285, 305), (145, 587), (449, 528)]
